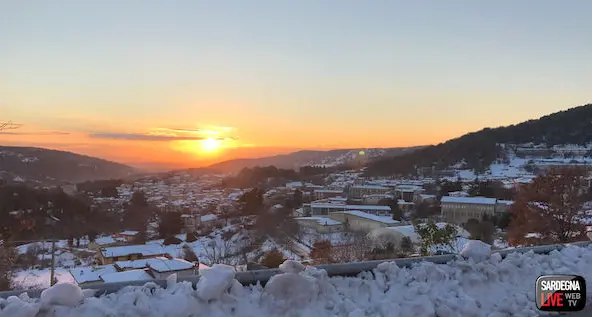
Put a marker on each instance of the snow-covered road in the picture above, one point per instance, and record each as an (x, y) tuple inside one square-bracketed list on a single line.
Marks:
[(491, 288)]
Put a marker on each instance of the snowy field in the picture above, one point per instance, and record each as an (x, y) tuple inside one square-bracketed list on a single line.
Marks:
[(39, 279), (483, 285)]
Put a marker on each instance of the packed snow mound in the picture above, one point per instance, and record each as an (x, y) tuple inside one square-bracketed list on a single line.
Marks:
[(459, 288), (291, 266), (65, 294), (18, 307), (476, 250), (214, 282)]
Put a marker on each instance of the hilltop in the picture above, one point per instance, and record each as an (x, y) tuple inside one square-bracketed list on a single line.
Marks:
[(37, 166), (481, 148), (330, 158)]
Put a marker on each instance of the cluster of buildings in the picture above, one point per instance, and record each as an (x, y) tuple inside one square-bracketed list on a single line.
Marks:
[(350, 202), (119, 261)]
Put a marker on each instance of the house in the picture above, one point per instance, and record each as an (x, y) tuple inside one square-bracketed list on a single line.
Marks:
[(137, 270), (208, 221), (407, 192), (127, 276), (190, 222), (159, 267), (459, 210), (90, 276), (130, 252), (320, 224), (358, 220), (127, 235), (103, 242)]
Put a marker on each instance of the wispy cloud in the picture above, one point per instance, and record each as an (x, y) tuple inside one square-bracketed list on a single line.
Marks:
[(143, 137), (35, 133), (167, 134)]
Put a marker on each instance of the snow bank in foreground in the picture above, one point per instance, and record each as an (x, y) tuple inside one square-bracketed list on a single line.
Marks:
[(491, 288)]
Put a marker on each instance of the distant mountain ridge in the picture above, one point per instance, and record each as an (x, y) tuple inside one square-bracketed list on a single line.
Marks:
[(38, 166), (312, 157), (481, 148)]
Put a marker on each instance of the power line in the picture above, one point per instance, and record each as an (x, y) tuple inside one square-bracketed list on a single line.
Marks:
[(8, 125)]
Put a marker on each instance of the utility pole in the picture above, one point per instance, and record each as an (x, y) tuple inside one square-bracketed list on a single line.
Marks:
[(52, 220), (52, 274)]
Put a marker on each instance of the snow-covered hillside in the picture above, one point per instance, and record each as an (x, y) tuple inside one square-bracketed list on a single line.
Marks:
[(491, 287), (313, 158), (523, 160)]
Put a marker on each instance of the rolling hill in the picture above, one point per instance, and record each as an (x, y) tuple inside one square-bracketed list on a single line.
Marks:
[(479, 149), (309, 157), (37, 166)]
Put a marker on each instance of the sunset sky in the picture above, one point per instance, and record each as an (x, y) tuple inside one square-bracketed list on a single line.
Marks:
[(146, 82)]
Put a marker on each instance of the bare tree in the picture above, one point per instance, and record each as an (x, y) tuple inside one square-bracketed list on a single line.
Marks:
[(354, 247), (552, 206), (220, 252), (7, 263)]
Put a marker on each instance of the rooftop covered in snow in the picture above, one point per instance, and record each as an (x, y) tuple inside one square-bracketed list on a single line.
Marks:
[(126, 276), (365, 215), (142, 249), (468, 200), (324, 221)]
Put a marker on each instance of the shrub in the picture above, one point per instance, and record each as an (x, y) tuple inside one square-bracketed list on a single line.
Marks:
[(191, 237), (189, 254), (172, 240), (273, 259)]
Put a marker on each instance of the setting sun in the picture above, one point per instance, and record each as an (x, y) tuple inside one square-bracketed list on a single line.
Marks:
[(210, 145)]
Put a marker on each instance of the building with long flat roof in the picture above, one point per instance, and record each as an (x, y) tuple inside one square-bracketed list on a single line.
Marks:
[(459, 210), (320, 208)]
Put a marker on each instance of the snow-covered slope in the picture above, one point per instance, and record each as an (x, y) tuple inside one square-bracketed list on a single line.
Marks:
[(490, 288), (317, 158)]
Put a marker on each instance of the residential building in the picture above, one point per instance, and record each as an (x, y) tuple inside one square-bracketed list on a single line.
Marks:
[(190, 222), (128, 235), (357, 220), (407, 192), (127, 276), (459, 210), (208, 221), (111, 255), (357, 192), (325, 207), (104, 242), (89, 276), (137, 270)]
